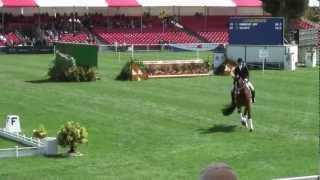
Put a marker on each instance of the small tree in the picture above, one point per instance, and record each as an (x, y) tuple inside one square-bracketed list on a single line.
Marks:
[(72, 134), (289, 9)]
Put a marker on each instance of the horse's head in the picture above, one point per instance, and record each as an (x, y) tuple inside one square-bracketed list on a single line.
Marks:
[(240, 83)]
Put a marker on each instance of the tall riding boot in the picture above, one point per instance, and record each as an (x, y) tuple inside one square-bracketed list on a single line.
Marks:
[(253, 94), (232, 97)]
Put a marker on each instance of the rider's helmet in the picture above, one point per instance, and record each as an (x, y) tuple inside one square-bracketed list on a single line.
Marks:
[(240, 60)]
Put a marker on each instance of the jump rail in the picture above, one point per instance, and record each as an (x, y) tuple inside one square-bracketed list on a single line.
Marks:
[(29, 141)]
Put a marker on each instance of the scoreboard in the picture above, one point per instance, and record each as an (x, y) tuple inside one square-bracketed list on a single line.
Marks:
[(256, 31)]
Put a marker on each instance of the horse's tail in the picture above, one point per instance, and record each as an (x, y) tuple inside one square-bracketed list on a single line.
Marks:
[(228, 109)]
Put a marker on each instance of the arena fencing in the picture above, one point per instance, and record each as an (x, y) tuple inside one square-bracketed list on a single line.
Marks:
[(265, 56), (19, 152), (157, 52), (35, 144), (314, 177), (29, 141), (257, 57)]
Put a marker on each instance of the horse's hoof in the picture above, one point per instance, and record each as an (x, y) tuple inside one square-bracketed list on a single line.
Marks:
[(251, 130)]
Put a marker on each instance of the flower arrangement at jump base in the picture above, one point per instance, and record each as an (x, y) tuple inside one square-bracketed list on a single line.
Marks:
[(142, 70), (71, 135), (177, 67), (133, 70), (40, 133)]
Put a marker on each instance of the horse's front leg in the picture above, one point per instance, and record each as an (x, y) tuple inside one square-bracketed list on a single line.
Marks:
[(242, 117), (250, 119)]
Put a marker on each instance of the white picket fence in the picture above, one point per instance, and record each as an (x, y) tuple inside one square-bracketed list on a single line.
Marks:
[(314, 177), (35, 144), (19, 152), (29, 141)]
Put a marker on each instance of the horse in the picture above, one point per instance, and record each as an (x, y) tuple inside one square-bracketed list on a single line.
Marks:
[(242, 98)]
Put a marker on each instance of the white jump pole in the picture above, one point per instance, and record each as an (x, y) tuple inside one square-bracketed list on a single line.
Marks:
[(132, 49), (197, 53), (263, 61)]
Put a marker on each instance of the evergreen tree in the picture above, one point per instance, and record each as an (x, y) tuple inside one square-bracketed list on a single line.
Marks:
[(290, 9)]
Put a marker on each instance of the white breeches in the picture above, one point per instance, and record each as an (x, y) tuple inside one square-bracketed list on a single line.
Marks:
[(249, 84)]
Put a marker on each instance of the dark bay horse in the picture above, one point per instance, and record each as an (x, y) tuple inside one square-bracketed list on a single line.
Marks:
[(242, 98)]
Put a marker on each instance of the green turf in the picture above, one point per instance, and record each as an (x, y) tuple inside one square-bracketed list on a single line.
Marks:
[(163, 128)]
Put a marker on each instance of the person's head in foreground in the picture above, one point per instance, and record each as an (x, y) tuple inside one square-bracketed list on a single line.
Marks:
[(218, 171)]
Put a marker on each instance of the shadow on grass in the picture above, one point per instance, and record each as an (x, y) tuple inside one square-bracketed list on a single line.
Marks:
[(218, 128), (58, 156), (40, 81), (65, 155)]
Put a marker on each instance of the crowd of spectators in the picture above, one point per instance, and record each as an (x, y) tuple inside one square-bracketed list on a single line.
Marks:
[(40, 30), (44, 30)]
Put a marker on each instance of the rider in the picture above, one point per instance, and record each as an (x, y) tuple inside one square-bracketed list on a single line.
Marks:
[(242, 71)]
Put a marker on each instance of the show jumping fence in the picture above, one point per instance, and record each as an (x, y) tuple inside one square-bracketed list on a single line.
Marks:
[(35, 144), (29, 141), (19, 152)]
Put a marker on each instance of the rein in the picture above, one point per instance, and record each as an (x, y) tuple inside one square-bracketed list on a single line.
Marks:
[(238, 89)]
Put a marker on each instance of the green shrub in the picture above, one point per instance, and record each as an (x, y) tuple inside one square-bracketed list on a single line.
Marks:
[(125, 73), (64, 68), (72, 134), (220, 69)]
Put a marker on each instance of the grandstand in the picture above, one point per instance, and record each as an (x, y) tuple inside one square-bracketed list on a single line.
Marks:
[(42, 22), (119, 22)]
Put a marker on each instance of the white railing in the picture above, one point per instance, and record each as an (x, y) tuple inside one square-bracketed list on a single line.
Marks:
[(19, 152), (29, 141), (314, 177)]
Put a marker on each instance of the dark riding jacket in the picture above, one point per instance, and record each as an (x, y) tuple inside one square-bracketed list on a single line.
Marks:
[(243, 72)]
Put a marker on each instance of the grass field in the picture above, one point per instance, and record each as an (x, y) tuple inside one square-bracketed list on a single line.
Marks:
[(162, 129)]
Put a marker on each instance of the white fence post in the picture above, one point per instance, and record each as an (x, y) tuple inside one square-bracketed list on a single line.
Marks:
[(17, 151), (132, 49), (197, 54), (263, 61)]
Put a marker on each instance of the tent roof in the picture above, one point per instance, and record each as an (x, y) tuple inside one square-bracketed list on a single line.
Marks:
[(123, 3), (18, 3), (190, 3), (153, 3), (314, 3), (91, 3), (135, 3), (56, 3), (218, 3), (248, 3)]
